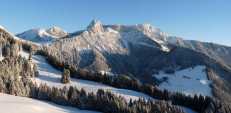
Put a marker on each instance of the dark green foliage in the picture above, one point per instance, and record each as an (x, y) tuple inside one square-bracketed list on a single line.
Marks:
[(102, 101), (6, 51), (43, 92)]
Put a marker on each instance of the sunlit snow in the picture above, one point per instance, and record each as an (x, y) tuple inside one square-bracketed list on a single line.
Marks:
[(16, 104)]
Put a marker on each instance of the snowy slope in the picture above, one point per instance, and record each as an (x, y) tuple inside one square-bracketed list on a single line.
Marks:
[(16, 104), (189, 81), (51, 76)]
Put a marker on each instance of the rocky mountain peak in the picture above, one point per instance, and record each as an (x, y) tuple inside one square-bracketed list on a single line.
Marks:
[(56, 31), (95, 26)]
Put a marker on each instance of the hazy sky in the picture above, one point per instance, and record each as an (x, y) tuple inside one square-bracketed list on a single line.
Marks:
[(205, 20)]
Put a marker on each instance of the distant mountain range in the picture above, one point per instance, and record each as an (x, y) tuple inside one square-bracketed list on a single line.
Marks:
[(141, 34)]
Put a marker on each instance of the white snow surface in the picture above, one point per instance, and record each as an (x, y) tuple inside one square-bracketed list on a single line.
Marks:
[(1, 27), (189, 81), (16, 104)]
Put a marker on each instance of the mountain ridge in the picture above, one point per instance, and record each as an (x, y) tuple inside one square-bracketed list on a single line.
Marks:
[(40, 35)]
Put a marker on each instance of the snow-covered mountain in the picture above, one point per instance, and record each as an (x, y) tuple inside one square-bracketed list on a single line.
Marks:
[(141, 50), (43, 35), (120, 38), (103, 46), (97, 46), (50, 76)]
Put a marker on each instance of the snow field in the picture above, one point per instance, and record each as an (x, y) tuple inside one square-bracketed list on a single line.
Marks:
[(16, 104), (189, 81)]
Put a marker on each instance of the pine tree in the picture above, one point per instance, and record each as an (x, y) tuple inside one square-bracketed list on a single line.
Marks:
[(30, 56), (66, 76)]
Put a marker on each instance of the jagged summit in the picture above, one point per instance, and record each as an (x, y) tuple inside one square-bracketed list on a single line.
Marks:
[(95, 26), (56, 31)]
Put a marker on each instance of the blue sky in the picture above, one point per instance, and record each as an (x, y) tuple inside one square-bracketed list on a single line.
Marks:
[(205, 20)]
